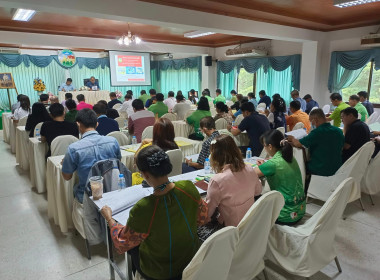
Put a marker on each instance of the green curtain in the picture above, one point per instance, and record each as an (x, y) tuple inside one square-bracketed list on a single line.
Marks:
[(53, 75), (275, 82), (182, 79), (344, 77), (227, 82)]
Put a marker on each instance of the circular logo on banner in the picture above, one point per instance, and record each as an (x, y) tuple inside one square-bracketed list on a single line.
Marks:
[(66, 58)]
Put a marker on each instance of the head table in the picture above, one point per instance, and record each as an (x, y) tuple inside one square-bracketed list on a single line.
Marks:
[(91, 97)]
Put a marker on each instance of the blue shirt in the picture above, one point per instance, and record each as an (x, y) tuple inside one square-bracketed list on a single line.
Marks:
[(368, 105), (265, 99), (106, 125), (303, 103), (66, 87), (90, 85), (253, 101), (83, 154), (310, 105)]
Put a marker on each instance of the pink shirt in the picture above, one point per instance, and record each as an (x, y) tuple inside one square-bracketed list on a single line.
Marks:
[(83, 105), (233, 193)]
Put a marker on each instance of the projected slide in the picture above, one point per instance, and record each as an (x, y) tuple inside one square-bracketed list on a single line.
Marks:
[(129, 68)]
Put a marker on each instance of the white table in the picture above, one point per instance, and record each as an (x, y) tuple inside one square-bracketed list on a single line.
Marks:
[(182, 129), (5, 121), (22, 147), (91, 97), (37, 153)]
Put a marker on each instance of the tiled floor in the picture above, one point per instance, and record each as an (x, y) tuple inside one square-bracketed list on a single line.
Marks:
[(32, 247)]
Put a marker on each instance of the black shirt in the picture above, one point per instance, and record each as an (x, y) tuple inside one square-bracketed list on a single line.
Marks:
[(106, 125), (113, 103), (52, 129), (357, 135)]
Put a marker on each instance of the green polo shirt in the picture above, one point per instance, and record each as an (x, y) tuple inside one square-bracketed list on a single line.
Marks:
[(220, 98), (195, 118), (71, 115), (362, 111), (335, 116), (144, 98), (325, 144), (234, 99), (208, 98), (159, 108), (286, 178)]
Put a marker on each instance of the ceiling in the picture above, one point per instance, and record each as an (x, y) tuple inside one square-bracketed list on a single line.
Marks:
[(310, 14)]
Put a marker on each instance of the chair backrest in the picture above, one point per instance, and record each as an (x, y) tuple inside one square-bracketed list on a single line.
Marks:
[(61, 143), (121, 121), (147, 133), (229, 103), (176, 158), (213, 111), (38, 126), (359, 116), (298, 154), (22, 121), (370, 182), (373, 118), (316, 107), (188, 113), (116, 106), (170, 116), (254, 230), (221, 124), (281, 129), (326, 109), (261, 106), (239, 119), (213, 259), (298, 125), (121, 138)]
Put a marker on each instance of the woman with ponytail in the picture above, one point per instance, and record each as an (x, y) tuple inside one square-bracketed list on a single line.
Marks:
[(222, 113), (283, 175), (276, 116)]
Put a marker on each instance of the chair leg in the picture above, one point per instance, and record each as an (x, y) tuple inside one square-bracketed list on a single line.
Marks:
[(265, 274), (370, 197), (361, 203), (338, 264), (88, 249)]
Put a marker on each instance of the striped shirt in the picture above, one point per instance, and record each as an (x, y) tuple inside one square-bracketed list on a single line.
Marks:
[(138, 121)]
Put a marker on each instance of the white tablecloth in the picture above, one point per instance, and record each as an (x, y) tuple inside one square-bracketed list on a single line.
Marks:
[(182, 129), (12, 135), (91, 97), (241, 140), (22, 147), (37, 152), (5, 121)]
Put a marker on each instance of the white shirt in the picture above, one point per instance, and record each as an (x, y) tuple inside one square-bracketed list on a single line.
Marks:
[(181, 109), (170, 102), (127, 107), (20, 113)]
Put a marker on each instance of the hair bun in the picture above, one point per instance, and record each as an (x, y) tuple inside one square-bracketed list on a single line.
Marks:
[(156, 159)]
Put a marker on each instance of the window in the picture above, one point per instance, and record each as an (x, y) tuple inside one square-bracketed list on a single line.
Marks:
[(368, 80), (245, 82)]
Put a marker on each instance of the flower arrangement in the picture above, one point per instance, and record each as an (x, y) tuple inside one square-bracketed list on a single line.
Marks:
[(83, 88), (118, 94), (38, 85)]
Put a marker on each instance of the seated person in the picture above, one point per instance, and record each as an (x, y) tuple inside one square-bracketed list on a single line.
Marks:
[(105, 124), (336, 100), (93, 83), (159, 108), (143, 96), (238, 112), (206, 93), (68, 95), (232, 190), (139, 120), (181, 108), (202, 111), (44, 99), (276, 116), (54, 99), (207, 126), (325, 143), (255, 124), (91, 148), (192, 98), (67, 86), (363, 96), (24, 109), (264, 98), (17, 104), (82, 103), (297, 116), (158, 250), (310, 103), (356, 132), (72, 111), (127, 105), (111, 113), (58, 126), (283, 175), (222, 113), (236, 105), (252, 98), (219, 97), (296, 97), (170, 101), (354, 102), (39, 114), (152, 93), (233, 96), (113, 101)]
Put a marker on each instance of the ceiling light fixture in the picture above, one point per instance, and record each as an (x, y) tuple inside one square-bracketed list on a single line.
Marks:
[(23, 14), (129, 39), (348, 3), (196, 34)]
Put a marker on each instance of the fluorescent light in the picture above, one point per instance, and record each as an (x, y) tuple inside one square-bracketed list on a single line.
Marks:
[(196, 34), (23, 14), (348, 3)]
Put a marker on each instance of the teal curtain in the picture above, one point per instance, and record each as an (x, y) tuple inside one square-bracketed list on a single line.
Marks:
[(182, 79), (343, 78), (273, 81), (227, 82)]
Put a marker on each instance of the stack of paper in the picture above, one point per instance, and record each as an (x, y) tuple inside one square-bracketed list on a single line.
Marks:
[(298, 133)]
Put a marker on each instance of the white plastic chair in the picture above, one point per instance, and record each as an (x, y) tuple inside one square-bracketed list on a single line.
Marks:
[(238, 120), (61, 143), (38, 126), (213, 111), (22, 121), (229, 103), (254, 230), (298, 125), (321, 187), (370, 183), (213, 259), (116, 106), (359, 116), (188, 113), (298, 155), (147, 133), (261, 107), (326, 109), (221, 124), (373, 118), (306, 249), (172, 117), (176, 158), (121, 121), (281, 129), (316, 107), (121, 138)]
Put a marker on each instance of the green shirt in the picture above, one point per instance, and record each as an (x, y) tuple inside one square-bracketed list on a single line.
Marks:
[(325, 144), (71, 115), (287, 179), (171, 217), (335, 116), (362, 111), (234, 99), (209, 98), (159, 108), (144, 98), (195, 118), (220, 98)]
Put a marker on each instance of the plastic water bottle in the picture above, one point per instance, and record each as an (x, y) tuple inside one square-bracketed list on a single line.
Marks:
[(248, 154), (134, 141), (121, 182), (207, 166), (38, 133), (233, 123)]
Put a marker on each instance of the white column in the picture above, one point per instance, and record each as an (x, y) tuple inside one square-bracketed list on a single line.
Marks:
[(309, 68)]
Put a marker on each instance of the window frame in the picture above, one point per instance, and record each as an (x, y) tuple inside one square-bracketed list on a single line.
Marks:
[(253, 81)]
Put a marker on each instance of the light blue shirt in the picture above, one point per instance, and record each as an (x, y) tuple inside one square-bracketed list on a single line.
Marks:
[(83, 154), (66, 87), (253, 101), (303, 103)]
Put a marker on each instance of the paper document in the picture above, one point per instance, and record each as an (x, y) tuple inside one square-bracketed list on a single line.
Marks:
[(298, 133), (374, 126)]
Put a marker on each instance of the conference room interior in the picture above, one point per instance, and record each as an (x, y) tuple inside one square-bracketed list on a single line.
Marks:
[(316, 47)]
